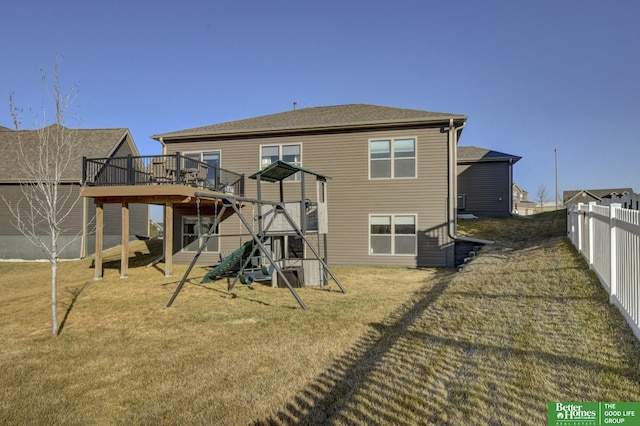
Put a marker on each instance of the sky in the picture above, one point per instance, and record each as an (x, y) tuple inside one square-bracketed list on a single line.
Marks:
[(535, 78)]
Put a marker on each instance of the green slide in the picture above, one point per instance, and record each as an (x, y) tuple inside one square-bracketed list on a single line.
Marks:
[(229, 262)]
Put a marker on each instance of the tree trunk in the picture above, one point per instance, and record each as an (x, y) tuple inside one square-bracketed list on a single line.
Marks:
[(54, 298)]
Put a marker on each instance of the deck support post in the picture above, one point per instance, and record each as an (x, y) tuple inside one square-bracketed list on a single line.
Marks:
[(124, 254), (168, 239), (97, 264)]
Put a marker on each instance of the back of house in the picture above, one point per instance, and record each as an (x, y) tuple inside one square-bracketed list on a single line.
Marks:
[(390, 168)]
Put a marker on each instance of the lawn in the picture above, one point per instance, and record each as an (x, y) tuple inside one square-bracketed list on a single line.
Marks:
[(525, 323)]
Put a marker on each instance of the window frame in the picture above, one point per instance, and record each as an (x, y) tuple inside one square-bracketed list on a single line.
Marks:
[(183, 248), (211, 176), (294, 178), (392, 235), (392, 158)]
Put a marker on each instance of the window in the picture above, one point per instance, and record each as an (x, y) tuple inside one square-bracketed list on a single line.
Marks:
[(191, 240), (212, 158), (392, 234), (295, 247), (392, 158), (291, 154)]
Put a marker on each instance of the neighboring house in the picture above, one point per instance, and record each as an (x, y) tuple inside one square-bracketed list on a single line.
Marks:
[(92, 142), (485, 181), (597, 195), (391, 196), (521, 204), (627, 201)]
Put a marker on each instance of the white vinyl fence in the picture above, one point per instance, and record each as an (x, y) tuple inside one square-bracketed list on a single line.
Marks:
[(609, 239)]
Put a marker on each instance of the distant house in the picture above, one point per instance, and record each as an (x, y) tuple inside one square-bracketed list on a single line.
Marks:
[(104, 143), (597, 195), (392, 187), (485, 181), (521, 204)]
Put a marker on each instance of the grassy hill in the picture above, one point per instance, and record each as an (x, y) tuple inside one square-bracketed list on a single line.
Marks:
[(523, 324)]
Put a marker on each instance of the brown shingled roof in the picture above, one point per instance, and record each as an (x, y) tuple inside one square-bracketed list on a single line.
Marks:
[(91, 143), (474, 153), (317, 118)]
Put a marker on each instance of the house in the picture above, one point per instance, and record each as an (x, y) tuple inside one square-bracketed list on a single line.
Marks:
[(391, 173), (105, 143), (588, 195), (521, 204), (485, 181)]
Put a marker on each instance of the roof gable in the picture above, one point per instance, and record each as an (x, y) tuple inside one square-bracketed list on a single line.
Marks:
[(317, 118), (90, 143), (477, 154)]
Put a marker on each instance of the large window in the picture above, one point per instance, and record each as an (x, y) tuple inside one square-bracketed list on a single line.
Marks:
[(291, 154), (191, 234), (392, 234), (392, 158)]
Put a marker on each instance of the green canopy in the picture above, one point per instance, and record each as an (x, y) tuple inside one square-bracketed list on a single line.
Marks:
[(280, 170)]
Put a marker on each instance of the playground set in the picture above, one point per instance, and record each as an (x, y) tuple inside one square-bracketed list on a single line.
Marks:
[(261, 257)]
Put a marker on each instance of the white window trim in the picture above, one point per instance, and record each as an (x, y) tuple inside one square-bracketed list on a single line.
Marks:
[(219, 151), (415, 146), (393, 242), (279, 145), (182, 249)]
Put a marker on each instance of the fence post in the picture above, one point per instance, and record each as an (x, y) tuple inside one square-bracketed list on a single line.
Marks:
[(580, 230), (613, 269), (590, 208)]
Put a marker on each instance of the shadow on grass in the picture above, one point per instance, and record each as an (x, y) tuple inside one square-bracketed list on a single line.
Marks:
[(335, 389), (154, 248), (444, 359), (74, 293)]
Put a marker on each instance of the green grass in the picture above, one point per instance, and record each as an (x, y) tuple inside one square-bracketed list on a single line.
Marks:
[(525, 323)]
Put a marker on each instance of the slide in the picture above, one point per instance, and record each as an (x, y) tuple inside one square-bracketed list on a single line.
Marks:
[(229, 262)]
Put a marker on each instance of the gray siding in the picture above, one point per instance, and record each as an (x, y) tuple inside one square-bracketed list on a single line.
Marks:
[(14, 245), (487, 187), (352, 196)]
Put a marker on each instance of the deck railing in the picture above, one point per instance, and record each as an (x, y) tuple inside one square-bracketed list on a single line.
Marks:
[(608, 237), (173, 169)]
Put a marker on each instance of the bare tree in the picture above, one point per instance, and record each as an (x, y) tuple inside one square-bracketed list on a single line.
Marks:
[(542, 196), (45, 203)]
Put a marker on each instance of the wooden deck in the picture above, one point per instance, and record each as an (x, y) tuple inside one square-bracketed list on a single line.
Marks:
[(167, 195), (149, 194)]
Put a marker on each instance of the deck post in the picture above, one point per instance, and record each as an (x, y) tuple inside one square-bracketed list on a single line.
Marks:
[(168, 239), (124, 255), (97, 264)]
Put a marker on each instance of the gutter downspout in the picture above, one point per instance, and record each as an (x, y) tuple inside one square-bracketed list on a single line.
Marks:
[(511, 206), (452, 218)]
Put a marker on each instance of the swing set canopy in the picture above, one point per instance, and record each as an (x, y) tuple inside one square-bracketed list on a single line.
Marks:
[(280, 170)]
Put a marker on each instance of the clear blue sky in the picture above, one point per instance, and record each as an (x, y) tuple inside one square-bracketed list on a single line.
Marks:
[(532, 76)]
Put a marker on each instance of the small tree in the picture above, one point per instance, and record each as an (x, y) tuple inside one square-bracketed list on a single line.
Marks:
[(45, 204), (542, 196)]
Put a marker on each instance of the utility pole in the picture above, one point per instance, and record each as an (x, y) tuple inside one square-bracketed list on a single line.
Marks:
[(555, 150)]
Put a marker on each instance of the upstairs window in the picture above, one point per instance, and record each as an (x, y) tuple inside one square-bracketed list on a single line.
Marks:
[(212, 159), (392, 158), (291, 154)]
